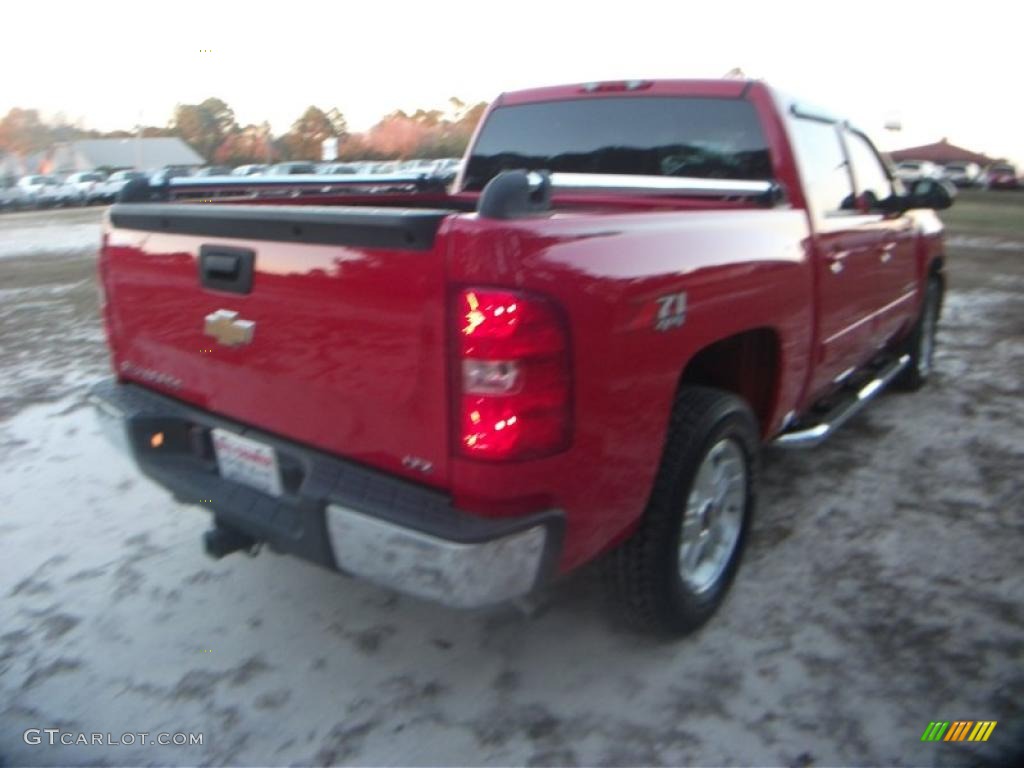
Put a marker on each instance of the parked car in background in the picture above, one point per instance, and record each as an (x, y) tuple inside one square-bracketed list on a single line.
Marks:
[(213, 170), (417, 166), (337, 169), (33, 187), (106, 191), (12, 197), (49, 195), (962, 174), (447, 168), (1002, 176), (166, 174), (914, 170), (289, 169), (249, 170), (77, 187), (388, 166)]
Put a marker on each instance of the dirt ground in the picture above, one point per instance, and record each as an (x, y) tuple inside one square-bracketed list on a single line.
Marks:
[(883, 587)]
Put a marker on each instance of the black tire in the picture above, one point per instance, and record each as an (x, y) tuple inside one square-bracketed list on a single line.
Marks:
[(643, 574), (920, 344)]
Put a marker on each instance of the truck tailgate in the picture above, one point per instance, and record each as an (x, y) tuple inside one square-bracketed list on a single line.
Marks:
[(325, 325)]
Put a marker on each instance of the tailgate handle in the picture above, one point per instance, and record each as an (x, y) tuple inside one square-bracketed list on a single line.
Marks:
[(226, 269), (222, 266)]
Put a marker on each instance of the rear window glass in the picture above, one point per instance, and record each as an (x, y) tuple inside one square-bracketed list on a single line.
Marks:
[(705, 138)]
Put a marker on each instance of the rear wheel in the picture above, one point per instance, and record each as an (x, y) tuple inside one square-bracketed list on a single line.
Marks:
[(674, 572), (920, 345)]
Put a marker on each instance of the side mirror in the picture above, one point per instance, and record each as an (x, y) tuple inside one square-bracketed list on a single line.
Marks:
[(931, 193)]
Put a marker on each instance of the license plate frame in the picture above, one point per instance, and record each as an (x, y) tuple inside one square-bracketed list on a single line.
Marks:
[(249, 462)]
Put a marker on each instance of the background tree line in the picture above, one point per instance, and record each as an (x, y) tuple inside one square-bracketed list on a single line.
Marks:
[(212, 130)]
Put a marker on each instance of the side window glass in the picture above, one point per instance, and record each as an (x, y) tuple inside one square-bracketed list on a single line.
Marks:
[(868, 171), (823, 166)]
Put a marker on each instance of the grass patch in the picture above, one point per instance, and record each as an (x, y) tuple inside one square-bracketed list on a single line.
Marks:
[(984, 212)]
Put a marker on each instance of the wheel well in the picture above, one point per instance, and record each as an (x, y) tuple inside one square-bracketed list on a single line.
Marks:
[(746, 364)]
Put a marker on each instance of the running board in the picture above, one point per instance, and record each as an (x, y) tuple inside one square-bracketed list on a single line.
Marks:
[(809, 437)]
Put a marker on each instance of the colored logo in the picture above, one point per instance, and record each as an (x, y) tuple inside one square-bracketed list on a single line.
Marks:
[(958, 730)]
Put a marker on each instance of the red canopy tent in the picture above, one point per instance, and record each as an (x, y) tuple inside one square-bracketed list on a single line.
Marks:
[(942, 152)]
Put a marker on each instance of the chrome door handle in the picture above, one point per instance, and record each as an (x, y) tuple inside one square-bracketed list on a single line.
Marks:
[(835, 261), (886, 254)]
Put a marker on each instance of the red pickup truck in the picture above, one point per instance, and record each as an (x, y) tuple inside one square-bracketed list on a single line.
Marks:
[(575, 351)]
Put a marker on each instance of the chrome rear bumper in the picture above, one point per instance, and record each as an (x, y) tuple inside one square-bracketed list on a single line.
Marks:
[(458, 574)]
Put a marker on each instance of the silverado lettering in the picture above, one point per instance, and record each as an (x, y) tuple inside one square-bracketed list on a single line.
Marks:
[(575, 352)]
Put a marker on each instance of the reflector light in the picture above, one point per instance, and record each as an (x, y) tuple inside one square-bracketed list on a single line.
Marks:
[(489, 377)]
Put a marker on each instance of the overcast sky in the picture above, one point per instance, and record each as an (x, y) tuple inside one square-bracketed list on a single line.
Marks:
[(942, 68)]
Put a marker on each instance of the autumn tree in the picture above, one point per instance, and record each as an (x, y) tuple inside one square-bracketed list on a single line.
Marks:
[(424, 133), (22, 131), (205, 126), (303, 141), (251, 144)]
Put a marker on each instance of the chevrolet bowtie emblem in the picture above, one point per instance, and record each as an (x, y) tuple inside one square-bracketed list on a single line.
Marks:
[(226, 328)]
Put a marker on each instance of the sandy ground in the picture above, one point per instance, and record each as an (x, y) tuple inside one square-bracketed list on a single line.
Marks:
[(883, 589)]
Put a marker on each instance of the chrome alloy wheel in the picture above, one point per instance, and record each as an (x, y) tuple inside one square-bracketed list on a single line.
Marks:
[(714, 515)]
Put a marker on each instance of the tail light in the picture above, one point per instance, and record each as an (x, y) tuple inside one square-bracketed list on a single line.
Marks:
[(514, 394)]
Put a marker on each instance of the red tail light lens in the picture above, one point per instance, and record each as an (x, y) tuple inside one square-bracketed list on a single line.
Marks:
[(514, 397)]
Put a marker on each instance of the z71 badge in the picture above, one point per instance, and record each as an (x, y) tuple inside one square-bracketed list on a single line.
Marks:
[(671, 311)]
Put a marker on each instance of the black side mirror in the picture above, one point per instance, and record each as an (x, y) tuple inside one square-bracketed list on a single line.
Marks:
[(931, 193)]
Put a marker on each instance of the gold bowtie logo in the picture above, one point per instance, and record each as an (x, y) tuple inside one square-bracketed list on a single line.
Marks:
[(226, 328)]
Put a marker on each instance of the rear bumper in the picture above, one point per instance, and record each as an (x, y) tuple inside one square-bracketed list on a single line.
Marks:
[(334, 512)]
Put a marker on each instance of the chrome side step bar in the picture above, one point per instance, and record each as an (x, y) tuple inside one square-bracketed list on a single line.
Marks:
[(809, 437)]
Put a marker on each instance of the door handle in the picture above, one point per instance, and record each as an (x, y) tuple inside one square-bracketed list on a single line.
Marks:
[(835, 261), (886, 253)]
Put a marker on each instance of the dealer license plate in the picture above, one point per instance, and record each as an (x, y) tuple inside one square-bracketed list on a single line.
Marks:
[(247, 461)]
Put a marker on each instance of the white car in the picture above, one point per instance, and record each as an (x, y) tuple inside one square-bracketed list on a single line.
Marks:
[(337, 169), (249, 170), (106, 191), (38, 190), (77, 187), (915, 170), (389, 166), (962, 174), (291, 169), (12, 197), (447, 167)]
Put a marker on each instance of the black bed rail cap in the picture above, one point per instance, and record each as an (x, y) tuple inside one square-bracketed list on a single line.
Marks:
[(405, 229)]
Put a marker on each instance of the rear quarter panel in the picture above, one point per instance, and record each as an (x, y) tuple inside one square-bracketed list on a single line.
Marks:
[(740, 270)]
